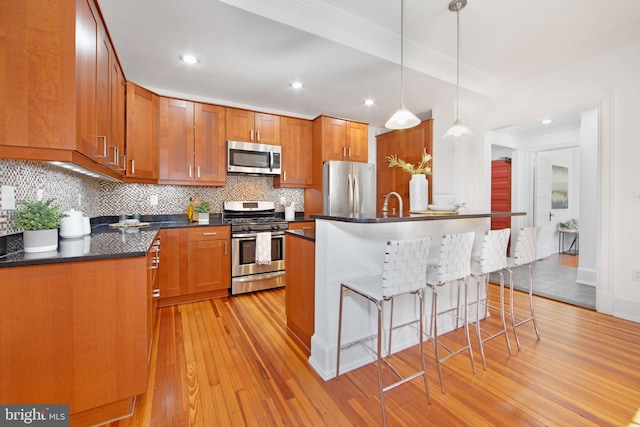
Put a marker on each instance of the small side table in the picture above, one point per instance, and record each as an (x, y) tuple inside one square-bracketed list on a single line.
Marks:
[(574, 247)]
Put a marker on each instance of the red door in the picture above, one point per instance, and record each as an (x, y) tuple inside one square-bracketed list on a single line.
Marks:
[(501, 192)]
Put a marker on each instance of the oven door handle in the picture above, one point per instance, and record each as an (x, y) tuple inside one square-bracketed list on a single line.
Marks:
[(260, 276), (253, 235)]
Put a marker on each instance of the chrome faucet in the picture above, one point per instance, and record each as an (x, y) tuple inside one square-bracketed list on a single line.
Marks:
[(385, 206)]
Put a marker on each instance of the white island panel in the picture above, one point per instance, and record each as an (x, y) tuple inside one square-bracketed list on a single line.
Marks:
[(350, 249)]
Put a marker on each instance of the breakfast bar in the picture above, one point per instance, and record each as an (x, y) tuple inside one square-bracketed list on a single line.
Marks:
[(350, 247)]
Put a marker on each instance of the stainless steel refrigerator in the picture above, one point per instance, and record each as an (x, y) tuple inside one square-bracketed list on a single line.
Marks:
[(349, 189)]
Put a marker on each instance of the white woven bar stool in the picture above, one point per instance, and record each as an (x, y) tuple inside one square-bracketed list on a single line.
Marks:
[(525, 254), (404, 272), (493, 258), (453, 266)]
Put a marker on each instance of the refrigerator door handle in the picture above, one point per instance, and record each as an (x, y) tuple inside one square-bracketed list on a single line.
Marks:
[(356, 196), (350, 193)]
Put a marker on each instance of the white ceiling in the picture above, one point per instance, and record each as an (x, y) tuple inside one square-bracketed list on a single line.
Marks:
[(345, 51)]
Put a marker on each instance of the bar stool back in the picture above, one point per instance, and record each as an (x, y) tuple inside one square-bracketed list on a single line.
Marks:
[(525, 254), (493, 258), (404, 272), (453, 265)]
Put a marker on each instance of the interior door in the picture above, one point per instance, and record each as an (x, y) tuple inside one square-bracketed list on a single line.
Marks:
[(542, 207), (501, 193)]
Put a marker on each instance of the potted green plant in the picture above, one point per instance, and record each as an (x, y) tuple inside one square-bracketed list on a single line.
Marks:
[(39, 221), (203, 210)]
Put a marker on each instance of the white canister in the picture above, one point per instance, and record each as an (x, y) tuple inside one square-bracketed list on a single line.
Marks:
[(72, 226), (86, 225), (290, 211)]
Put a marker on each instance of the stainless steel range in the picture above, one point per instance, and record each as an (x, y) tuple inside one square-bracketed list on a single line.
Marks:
[(248, 219)]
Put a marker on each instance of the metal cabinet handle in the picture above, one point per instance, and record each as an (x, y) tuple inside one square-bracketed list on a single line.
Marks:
[(189, 171), (251, 135), (133, 166), (198, 172), (124, 163), (344, 151), (285, 176), (115, 155), (349, 152), (155, 293), (211, 233), (104, 147), (258, 136)]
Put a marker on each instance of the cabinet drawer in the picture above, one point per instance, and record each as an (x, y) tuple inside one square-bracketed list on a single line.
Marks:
[(209, 233)]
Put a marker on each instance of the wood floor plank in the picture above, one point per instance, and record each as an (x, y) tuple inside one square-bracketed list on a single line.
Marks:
[(229, 361)]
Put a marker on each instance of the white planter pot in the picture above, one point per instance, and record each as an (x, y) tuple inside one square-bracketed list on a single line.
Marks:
[(203, 217), (40, 240), (418, 193)]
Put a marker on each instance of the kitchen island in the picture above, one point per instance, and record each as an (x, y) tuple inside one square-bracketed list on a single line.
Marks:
[(350, 247)]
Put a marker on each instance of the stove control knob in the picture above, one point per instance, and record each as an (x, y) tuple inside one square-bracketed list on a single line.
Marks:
[(275, 226), (245, 228)]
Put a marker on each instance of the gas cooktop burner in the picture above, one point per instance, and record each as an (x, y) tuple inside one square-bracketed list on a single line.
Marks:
[(255, 220)]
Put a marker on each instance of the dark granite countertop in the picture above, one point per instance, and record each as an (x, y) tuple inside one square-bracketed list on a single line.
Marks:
[(106, 242), (429, 216)]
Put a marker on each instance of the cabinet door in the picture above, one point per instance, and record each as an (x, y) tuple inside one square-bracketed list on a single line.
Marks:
[(103, 100), (209, 267), (334, 139), (357, 142), (210, 145), (118, 114), (296, 141), (142, 134), (172, 274), (175, 141), (267, 129), (87, 28), (240, 125)]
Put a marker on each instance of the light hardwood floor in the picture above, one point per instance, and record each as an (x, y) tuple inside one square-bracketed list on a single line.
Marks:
[(229, 361)]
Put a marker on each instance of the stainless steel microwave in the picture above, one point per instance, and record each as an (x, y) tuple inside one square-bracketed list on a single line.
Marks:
[(252, 158)]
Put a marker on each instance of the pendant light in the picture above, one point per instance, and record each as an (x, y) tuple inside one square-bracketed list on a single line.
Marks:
[(457, 130), (403, 118)]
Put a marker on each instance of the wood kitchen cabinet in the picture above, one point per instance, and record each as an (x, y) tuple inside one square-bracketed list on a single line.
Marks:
[(297, 148), (300, 295), (57, 102), (142, 135), (209, 259), (195, 264), (76, 333), (333, 139), (192, 149), (250, 126), (409, 145), (302, 225)]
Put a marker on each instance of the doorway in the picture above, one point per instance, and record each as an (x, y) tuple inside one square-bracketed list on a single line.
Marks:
[(538, 151)]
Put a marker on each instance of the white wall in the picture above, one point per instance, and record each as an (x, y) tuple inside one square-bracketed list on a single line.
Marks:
[(608, 83)]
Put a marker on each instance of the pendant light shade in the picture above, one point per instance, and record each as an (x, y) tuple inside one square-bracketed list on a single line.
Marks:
[(403, 118), (458, 129)]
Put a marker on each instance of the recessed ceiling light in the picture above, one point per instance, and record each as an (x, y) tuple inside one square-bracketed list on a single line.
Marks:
[(189, 59), (546, 121), (296, 85), (369, 102)]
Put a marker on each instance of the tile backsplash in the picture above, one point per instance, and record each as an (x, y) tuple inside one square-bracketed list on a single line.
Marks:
[(95, 197)]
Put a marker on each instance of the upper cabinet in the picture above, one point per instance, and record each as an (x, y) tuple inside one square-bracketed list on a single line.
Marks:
[(408, 144), (191, 143), (340, 139), (297, 153), (62, 98), (141, 161), (250, 126)]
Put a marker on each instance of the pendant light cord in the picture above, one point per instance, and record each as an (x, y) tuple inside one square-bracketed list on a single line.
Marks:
[(401, 53), (457, 58)]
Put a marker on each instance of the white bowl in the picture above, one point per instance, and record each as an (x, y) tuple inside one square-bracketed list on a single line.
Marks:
[(444, 199)]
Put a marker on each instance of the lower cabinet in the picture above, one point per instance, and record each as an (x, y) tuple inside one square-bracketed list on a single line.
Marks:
[(195, 263), (300, 292), (76, 333)]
